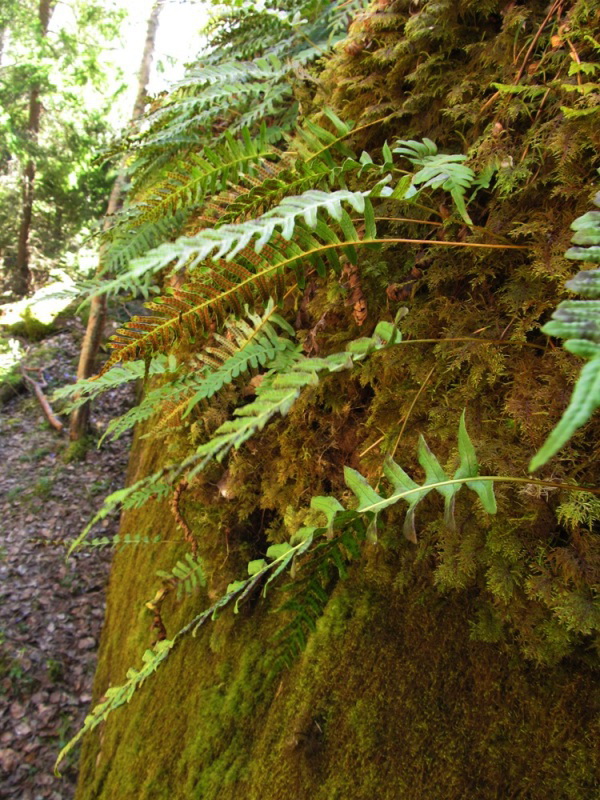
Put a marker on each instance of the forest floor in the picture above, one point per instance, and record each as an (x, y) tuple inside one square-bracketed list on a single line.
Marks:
[(51, 611)]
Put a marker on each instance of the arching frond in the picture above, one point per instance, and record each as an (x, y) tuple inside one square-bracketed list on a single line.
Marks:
[(578, 321)]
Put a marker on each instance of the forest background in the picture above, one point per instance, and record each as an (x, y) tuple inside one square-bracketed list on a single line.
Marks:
[(358, 221)]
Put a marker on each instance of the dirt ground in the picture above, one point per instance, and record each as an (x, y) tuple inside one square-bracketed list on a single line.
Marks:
[(51, 611)]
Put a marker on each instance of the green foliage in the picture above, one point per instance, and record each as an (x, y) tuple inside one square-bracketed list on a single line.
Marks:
[(438, 170), (186, 575), (435, 478), (314, 551), (280, 389), (276, 228), (295, 220), (578, 321), (70, 188), (120, 541), (90, 388), (245, 346), (162, 208)]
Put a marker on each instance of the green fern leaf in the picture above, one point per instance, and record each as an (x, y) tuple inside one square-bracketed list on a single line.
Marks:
[(404, 488), (89, 388), (186, 575), (250, 347), (227, 241), (439, 170), (277, 394), (578, 321)]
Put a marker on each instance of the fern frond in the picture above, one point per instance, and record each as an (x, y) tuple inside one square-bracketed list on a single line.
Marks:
[(228, 240), (294, 555), (200, 174), (192, 309), (90, 388), (158, 484), (279, 391), (310, 592), (117, 540), (245, 345), (578, 321), (152, 659), (439, 170), (152, 402), (404, 488), (130, 238), (201, 75), (116, 696), (186, 576), (249, 346)]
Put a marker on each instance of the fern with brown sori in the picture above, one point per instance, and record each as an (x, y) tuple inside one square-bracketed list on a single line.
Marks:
[(208, 172), (258, 272), (199, 307)]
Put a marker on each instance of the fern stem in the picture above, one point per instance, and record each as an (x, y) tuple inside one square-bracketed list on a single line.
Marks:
[(405, 219), (373, 508), (410, 410), (470, 339), (416, 241), (346, 135)]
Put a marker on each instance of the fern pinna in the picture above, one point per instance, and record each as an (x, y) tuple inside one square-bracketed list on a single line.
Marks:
[(248, 343), (578, 321), (311, 555), (289, 372)]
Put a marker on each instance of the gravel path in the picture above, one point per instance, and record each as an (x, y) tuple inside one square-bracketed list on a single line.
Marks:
[(50, 611)]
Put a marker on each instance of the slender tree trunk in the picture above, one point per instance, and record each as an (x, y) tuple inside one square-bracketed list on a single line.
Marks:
[(95, 326), (22, 277)]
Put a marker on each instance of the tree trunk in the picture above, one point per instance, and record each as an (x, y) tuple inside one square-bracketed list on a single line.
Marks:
[(80, 418), (22, 277)]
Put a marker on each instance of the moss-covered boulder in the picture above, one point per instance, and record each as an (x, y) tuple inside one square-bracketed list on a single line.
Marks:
[(465, 665)]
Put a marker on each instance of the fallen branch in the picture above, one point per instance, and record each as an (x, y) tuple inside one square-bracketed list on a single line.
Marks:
[(46, 407)]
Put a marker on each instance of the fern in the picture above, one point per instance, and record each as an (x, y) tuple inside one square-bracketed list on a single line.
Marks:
[(160, 210), (186, 576), (269, 66), (151, 404), (578, 321), (249, 346), (129, 238), (279, 391), (245, 346), (310, 592), (225, 289), (201, 174), (439, 170), (404, 488), (152, 659), (310, 600), (275, 395), (100, 542), (230, 240), (90, 388)]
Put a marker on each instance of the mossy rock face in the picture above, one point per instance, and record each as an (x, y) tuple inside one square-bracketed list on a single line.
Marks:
[(464, 666), (391, 699)]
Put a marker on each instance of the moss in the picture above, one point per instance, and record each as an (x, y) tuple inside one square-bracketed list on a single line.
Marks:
[(465, 666), (77, 450)]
